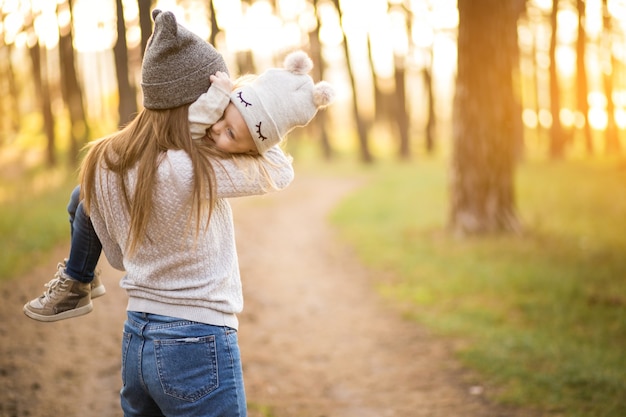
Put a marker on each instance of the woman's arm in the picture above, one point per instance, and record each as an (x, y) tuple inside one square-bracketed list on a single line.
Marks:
[(237, 176), (111, 249), (245, 175)]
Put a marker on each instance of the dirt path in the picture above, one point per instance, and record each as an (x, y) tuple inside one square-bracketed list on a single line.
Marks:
[(316, 340)]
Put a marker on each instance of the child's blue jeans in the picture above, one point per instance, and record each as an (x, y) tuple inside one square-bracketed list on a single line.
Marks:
[(179, 368), (85, 246)]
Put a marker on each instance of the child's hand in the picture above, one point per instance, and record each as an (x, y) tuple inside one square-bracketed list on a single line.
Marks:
[(222, 81)]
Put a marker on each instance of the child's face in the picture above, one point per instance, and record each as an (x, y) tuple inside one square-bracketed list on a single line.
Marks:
[(230, 133)]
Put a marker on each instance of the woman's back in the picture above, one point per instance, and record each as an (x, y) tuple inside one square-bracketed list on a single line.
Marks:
[(174, 268)]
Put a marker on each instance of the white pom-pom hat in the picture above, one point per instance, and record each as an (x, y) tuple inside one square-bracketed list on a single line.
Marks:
[(281, 99)]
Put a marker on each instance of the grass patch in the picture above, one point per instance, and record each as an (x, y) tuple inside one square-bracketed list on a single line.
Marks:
[(260, 410), (33, 218), (543, 316), (33, 196)]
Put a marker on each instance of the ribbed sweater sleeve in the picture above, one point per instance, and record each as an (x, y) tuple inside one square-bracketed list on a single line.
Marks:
[(207, 110)]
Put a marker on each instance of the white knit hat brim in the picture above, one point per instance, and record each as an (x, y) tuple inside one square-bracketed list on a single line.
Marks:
[(260, 123)]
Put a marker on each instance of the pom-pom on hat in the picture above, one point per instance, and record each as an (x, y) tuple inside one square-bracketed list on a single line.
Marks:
[(176, 64), (281, 99)]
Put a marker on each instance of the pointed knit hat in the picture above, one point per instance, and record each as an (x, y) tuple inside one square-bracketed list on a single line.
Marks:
[(281, 99), (176, 64)]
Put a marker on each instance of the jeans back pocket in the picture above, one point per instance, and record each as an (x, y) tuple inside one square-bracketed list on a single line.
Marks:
[(187, 367)]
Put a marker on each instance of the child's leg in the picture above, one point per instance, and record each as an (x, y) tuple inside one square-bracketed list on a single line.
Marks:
[(72, 206), (69, 293), (85, 248)]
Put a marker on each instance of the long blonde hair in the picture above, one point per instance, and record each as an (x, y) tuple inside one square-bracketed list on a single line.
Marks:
[(141, 145)]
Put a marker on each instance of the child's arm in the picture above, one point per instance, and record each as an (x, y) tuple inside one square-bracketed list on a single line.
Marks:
[(210, 106), (244, 175), (239, 175)]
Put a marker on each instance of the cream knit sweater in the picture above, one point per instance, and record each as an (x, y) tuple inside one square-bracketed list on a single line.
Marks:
[(173, 273)]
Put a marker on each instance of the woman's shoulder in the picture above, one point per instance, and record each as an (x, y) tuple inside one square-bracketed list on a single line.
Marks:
[(178, 156), (175, 163), (177, 159)]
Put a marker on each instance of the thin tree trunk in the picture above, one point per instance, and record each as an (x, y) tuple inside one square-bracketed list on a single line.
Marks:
[(612, 141), (70, 88), (366, 156), (127, 106), (404, 151), (581, 76), (215, 29), (145, 22), (40, 75), (383, 112), (9, 116), (557, 136), (13, 92), (316, 51), (432, 121), (484, 129), (536, 80), (4, 123)]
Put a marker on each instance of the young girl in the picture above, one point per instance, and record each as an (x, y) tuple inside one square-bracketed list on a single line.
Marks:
[(157, 200)]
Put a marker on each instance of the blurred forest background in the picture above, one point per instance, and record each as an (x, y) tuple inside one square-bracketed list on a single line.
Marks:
[(486, 82), (498, 119)]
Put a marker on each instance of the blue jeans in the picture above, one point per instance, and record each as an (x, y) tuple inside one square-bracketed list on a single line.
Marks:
[(85, 247), (174, 367)]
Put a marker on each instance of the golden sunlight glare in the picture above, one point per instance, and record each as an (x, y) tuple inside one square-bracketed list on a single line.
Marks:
[(94, 25), (269, 28)]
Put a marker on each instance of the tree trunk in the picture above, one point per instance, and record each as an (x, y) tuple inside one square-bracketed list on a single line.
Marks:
[(245, 62), (582, 92), (145, 22), (361, 127), (42, 90), (127, 106), (382, 111), (215, 29), (4, 122), (321, 118), (11, 110), (485, 120), (13, 92), (402, 119), (432, 121), (557, 136), (70, 88), (9, 116), (611, 133)]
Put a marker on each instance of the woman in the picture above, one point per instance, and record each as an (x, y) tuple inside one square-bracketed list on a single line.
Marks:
[(157, 202)]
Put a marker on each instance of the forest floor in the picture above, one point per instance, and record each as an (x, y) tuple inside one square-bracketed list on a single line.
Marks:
[(316, 339)]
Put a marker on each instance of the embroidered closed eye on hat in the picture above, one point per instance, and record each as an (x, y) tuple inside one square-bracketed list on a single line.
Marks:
[(281, 99), (176, 64)]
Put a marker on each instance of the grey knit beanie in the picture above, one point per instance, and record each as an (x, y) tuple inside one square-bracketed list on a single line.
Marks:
[(176, 64), (281, 99)]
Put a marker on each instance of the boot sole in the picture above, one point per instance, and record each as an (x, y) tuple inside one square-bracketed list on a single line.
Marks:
[(98, 291), (80, 311)]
